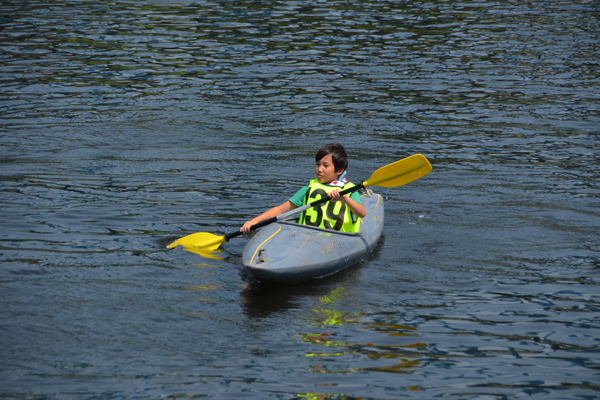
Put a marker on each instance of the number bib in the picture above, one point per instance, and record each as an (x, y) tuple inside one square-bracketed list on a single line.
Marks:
[(336, 216)]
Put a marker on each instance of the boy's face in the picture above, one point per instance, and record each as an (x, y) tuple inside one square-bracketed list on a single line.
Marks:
[(325, 170)]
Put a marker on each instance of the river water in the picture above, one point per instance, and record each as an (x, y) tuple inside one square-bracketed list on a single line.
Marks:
[(128, 124)]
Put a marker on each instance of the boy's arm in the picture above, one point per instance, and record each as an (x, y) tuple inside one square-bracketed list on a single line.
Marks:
[(357, 208), (273, 212)]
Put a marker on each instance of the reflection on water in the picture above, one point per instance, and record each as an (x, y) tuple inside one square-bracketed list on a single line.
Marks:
[(263, 299), (204, 253), (327, 313), (126, 125)]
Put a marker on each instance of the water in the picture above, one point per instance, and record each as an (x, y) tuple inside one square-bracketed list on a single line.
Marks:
[(126, 125)]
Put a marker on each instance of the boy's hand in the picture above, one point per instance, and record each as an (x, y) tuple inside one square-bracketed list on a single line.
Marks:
[(273, 212), (246, 227), (334, 195), (357, 208)]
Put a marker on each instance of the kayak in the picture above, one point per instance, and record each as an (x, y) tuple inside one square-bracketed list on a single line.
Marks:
[(286, 252)]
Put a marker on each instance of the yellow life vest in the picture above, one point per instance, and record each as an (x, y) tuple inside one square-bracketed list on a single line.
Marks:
[(336, 216)]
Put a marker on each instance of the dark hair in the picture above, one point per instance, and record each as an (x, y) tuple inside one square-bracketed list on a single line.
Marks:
[(338, 155)]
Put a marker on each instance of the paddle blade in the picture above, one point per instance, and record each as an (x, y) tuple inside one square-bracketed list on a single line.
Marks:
[(400, 173), (200, 240)]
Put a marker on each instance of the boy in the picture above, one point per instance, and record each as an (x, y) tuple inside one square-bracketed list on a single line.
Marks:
[(342, 213)]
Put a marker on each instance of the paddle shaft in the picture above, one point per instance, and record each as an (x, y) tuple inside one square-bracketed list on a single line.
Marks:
[(292, 212)]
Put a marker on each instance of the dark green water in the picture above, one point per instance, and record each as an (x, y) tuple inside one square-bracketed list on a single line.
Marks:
[(125, 125)]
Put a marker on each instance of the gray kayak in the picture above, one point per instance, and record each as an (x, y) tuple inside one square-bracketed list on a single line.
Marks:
[(286, 252)]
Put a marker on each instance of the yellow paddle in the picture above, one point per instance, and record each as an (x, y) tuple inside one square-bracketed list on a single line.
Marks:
[(393, 175)]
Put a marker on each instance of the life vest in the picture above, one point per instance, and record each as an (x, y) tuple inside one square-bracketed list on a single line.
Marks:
[(336, 216)]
